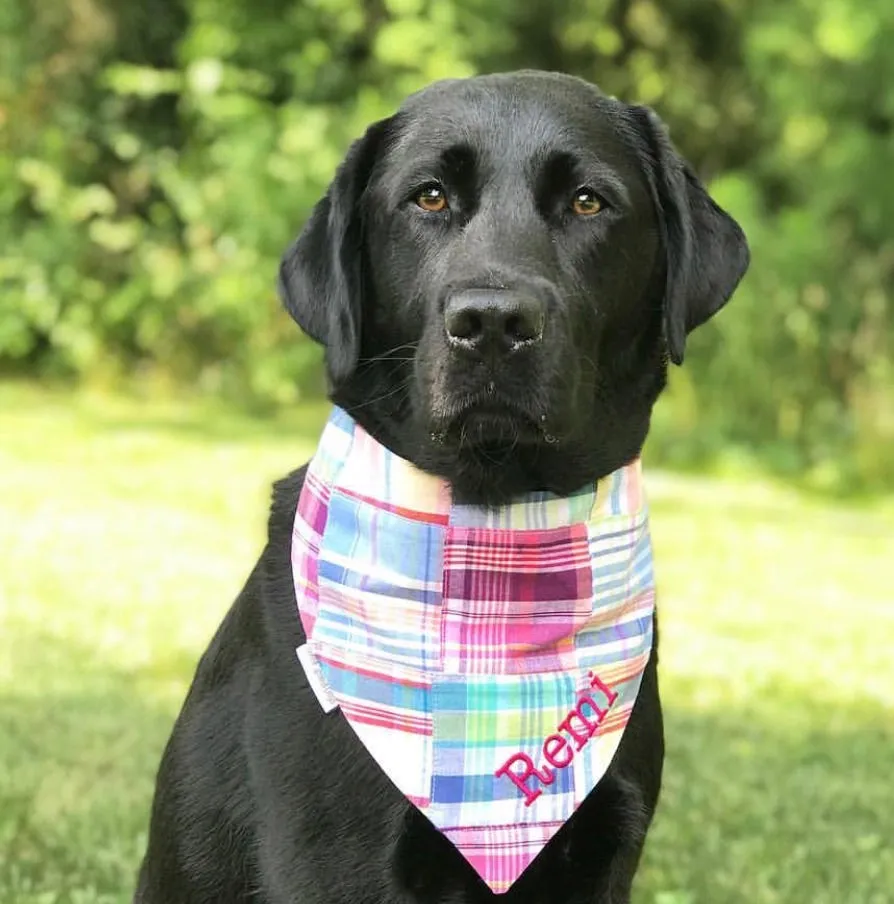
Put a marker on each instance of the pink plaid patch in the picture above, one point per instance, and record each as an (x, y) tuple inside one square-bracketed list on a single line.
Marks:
[(514, 599), (500, 854), (310, 519)]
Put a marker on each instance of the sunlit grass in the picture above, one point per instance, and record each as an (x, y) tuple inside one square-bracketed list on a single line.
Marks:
[(126, 529)]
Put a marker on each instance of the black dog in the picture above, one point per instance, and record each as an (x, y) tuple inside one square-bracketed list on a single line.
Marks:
[(499, 274)]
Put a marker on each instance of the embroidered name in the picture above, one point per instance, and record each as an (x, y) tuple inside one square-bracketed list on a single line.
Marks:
[(557, 750)]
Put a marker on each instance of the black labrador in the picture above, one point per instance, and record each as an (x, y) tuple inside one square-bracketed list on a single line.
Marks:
[(499, 273)]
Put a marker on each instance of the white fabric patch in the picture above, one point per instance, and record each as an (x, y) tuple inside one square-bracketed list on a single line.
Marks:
[(315, 679)]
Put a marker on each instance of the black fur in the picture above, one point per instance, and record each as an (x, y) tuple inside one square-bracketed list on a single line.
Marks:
[(260, 797)]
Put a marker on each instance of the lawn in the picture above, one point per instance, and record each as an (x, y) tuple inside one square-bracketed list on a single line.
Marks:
[(127, 527)]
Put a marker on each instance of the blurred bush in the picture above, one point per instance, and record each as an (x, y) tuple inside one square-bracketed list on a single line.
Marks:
[(156, 157)]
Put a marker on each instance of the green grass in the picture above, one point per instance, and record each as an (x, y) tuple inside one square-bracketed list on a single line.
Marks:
[(127, 527)]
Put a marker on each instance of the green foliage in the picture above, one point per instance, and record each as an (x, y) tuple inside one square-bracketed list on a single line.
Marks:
[(156, 158), (126, 530)]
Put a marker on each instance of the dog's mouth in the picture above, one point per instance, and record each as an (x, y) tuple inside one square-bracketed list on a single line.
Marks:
[(490, 423)]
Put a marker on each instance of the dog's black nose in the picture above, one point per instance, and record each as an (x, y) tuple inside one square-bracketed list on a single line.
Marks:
[(493, 319)]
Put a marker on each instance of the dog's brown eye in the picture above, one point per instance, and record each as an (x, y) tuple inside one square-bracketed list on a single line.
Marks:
[(586, 202), (432, 198)]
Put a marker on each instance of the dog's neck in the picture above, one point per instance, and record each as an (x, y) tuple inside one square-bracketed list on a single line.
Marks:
[(481, 475)]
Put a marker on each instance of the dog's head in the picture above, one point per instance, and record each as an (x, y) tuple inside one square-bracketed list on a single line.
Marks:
[(499, 273)]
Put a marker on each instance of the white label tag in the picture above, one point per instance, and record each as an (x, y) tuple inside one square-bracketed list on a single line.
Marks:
[(315, 679)]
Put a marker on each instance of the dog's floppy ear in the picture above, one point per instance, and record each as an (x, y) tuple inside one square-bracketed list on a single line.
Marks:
[(706, 250), (321, 278)]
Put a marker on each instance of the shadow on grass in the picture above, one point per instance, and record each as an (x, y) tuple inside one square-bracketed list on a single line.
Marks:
[(787, 802), (77, 767)]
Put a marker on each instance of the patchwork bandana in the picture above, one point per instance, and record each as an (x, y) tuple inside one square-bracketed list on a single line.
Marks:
[(488, 659)]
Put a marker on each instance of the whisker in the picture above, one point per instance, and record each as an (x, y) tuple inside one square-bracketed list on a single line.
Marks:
[(387, 395), (389, 355)]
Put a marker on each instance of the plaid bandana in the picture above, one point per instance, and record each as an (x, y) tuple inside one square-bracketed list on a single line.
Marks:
[(488, 659)]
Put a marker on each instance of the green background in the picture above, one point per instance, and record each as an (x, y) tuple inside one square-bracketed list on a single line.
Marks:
[(156, 157)]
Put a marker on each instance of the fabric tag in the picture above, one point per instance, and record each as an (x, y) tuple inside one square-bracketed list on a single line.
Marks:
[(315, 679)]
